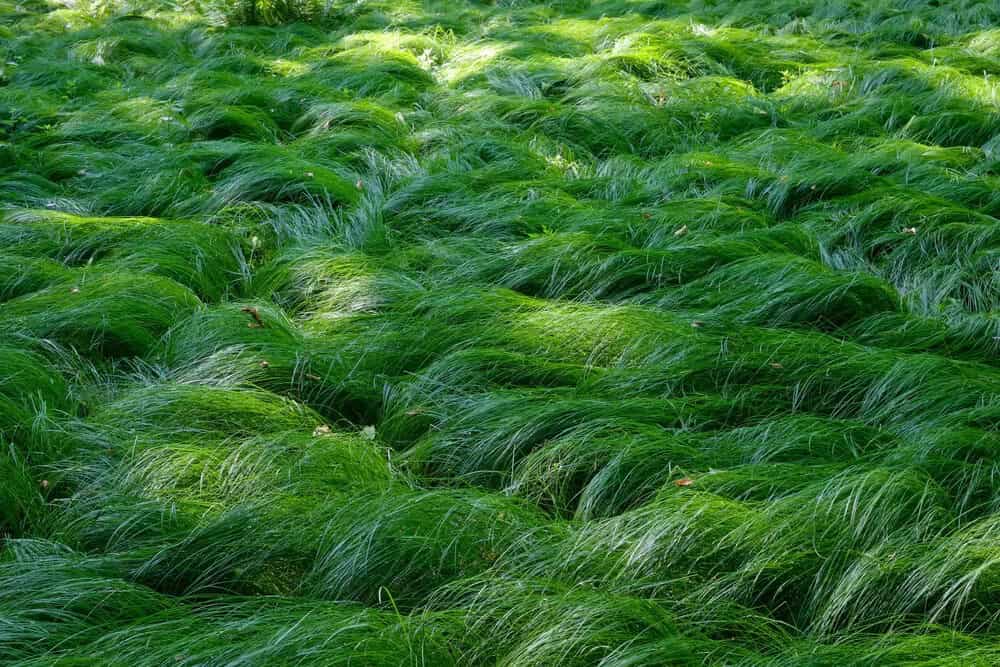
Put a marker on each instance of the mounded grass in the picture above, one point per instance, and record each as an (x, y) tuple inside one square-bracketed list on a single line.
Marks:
[(524, 333)]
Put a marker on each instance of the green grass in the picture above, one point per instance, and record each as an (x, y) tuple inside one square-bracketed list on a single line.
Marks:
[(523, 333)]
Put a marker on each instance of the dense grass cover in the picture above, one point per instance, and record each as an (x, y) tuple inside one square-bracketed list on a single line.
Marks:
[(399, 332)]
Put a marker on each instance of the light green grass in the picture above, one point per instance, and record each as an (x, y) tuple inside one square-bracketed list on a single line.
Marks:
[(522, 333)]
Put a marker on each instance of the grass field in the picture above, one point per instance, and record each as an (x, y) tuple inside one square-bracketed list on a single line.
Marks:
[(395, 332)]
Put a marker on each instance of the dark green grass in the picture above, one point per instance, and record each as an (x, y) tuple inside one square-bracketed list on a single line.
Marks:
[(510, 333)]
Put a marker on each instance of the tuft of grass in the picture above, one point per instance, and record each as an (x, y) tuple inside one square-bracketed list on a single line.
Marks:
[(113, 313)]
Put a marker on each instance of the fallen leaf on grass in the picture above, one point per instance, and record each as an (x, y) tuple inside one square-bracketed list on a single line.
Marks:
[(257, 322)]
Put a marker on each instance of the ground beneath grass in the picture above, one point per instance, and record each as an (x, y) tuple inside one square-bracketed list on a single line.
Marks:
[(620, 333)]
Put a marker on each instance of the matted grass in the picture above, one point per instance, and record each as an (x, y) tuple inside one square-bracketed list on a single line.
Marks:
[(522, 333)]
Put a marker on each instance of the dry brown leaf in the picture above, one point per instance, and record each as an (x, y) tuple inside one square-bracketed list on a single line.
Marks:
[(257, 322)]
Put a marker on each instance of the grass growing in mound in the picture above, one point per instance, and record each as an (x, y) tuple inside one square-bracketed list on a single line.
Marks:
[(526, 333)]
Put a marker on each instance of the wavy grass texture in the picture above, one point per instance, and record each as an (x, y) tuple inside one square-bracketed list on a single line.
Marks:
[(520, 332)]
